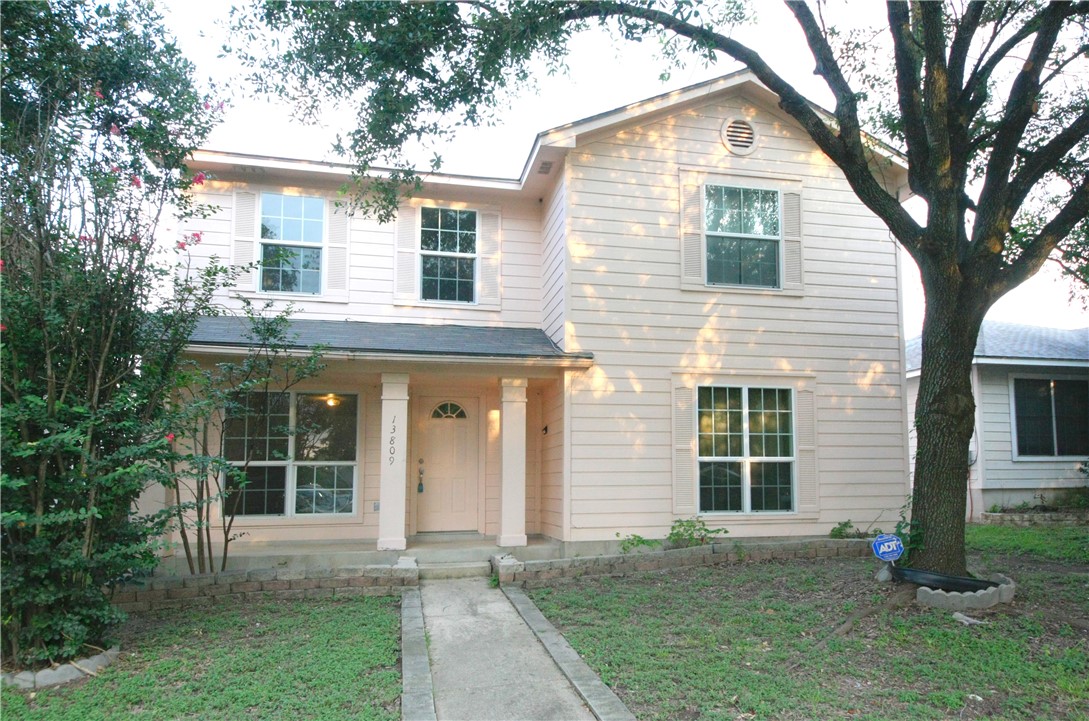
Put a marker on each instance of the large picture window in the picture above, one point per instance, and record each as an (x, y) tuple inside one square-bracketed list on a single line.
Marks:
[(746, 449), (291, 264), (448, 254), (294, 454), (742, 230), (1051, 417)]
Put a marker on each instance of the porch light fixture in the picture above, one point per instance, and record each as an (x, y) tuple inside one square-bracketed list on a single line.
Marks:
[(332, 401)]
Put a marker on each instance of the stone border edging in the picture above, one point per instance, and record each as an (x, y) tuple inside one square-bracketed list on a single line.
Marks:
[(417, 691), (267, 583), (1052, 518), (602, 702), (531, 573), (64, 673), (967, 600)]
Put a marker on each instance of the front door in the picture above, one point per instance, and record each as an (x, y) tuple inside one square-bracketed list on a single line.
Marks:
[(446, 464)]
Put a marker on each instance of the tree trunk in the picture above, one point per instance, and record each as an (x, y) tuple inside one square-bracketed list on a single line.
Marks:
[(944, 420)]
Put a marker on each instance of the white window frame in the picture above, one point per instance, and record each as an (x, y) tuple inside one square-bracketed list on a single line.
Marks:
[(422, 253), (291, 464), (1014, 447), (746, 459), (321, 247), (739, 184)]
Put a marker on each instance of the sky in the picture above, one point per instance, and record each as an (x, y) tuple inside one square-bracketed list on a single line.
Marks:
[(604, 74)]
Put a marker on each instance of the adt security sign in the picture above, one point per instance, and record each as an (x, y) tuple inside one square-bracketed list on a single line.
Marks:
[(888, 547)]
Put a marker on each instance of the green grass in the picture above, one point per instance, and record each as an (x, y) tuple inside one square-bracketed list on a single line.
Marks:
[(754, 641), (298, 661), (1060, 543)]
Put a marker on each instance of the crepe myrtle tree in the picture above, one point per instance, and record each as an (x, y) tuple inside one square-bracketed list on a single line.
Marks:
[(99, 114), (988, 102)]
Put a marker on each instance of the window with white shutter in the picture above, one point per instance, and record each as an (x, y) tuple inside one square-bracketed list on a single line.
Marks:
[(740, 232)]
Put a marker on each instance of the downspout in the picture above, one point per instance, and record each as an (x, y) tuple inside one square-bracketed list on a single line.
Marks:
[(976, 465)]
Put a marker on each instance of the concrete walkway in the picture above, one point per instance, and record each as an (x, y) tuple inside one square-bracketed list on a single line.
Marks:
[(494, 660)]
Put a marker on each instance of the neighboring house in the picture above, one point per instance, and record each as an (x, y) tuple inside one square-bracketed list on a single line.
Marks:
[(1031, 386), (679, 309)]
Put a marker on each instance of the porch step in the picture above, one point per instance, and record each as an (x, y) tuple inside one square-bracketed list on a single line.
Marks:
[(469, 569)]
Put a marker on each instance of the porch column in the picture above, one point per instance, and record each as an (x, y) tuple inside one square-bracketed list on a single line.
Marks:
[(512, 463), (394, 451)]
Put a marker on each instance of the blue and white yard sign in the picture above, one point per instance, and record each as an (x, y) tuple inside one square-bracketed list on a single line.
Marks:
[(888, 547)]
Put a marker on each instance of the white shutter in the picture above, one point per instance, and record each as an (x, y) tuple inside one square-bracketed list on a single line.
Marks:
[(792, 241), (691, 231), (335, 262), (806, 453), (244, 241), (405, 265), (684, 451), (488, 254)]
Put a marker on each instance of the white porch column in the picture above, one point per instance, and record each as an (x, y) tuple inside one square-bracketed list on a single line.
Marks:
[(394, 448), (512, 464)]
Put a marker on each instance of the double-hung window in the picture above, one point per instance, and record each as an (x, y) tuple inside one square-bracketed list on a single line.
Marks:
[(448, 254), (294, 454), (292, 230), (746, 449), (742, 231), (1051, 416)]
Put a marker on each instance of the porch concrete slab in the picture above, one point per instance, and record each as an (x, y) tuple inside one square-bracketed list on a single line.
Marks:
[(486, 664)]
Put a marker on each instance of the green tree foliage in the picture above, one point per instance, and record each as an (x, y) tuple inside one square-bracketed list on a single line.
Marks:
[(209, 398), (988, 101), (99, 113)]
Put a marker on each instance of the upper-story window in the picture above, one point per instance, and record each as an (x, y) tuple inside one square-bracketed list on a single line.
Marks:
[(742, 230), (741, 234), (292, 229), (448, 254)]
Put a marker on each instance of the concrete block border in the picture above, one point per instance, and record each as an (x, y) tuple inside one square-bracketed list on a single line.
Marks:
[(964, 601), (64, 673), (417, 692), (267, 584), (510, 570), (603, 703)]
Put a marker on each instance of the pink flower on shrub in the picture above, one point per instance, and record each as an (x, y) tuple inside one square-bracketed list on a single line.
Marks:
[(134, 239), (170, 437), (115, 169), (199, 179), (114, 130), (98, 93), (181, 245), (195, 238), (137, 182), (207, 105), (85, 238), (3, 327)]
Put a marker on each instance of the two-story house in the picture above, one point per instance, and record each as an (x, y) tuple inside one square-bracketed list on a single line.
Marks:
[(679, 309)]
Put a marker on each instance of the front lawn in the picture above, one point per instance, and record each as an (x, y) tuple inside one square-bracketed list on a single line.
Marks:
[(754, 641), (320, 659)]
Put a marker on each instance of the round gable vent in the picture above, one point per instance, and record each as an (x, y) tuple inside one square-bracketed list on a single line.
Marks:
[(738, 136)]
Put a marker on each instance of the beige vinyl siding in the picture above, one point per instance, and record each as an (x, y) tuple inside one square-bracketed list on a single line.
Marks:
[(553, 263), (1004, 473), (551, 521), (370, 258), (626, 306)]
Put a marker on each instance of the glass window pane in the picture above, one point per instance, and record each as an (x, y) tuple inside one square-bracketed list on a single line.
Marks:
[(448, 219), (311, 231), (1032, 406), (429, 218), (720, 486), (314, 209), (429, 239), (292, 229), (272, 205), (293, 207), (771, 486), (1072, 417), (325, 427), (256, 491)]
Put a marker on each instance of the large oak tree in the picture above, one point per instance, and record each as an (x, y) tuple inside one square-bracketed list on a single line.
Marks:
[(988, 102)]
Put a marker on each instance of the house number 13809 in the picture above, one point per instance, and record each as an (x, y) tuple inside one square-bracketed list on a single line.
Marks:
[(393, 440)]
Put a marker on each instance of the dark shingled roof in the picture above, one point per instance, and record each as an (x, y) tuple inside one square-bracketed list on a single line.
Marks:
[(395, 338), (1009, 340)]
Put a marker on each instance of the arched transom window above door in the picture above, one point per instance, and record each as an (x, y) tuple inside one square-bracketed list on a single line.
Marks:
[(448, 409)]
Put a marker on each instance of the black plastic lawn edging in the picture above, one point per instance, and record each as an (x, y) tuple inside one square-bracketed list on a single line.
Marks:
[(941, 581)]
